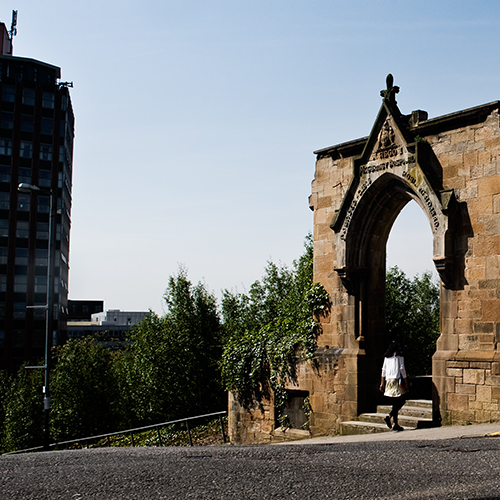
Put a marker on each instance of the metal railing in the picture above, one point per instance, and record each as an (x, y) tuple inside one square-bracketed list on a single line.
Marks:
[(131, 433)]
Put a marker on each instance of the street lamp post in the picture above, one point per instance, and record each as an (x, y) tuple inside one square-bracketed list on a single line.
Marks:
[(49, 308)]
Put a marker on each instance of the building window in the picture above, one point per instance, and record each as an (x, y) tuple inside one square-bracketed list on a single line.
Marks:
[(4, 201), (42, 230), (23, 229), (48, 100), (25, 175), (26, 150), (27, 122), (41, 257), (4, 228), (3, 283), (5, 173), (29, 97), (40, 284), (3, 255), (47, 126), (23, 202), (21, 256), (43, 203), (7, 120), (19, 310), (20, 283), (44, 178), (46, 152), (18, 72), (6, 147), (8, 93)]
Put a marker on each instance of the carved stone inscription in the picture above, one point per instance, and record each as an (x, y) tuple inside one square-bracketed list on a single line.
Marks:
[(402, 164), (372, 167)]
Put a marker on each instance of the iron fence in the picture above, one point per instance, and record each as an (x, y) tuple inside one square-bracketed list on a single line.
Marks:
[(131, 432)]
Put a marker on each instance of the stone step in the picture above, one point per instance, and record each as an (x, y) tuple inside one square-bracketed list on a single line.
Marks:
[(416, 414), (405, 421), (354, 427), (421, 403), (408, 411)]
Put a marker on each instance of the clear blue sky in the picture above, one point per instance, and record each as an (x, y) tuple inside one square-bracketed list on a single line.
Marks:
[(196, 122)]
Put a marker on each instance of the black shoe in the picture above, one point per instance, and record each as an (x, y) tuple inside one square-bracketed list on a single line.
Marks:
[(388, 422), (397, 428)]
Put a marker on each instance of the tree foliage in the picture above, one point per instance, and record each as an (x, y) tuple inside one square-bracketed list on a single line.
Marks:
[(269, 329), (412, 317), (171, 366), (23, 426), (5, 383), (84, 390), (175, 365)]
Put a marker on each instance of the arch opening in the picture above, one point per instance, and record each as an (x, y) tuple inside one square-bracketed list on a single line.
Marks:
[(412, 296), (366, 268)]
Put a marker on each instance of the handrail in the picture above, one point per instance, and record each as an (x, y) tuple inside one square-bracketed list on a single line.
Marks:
[(131, 432)]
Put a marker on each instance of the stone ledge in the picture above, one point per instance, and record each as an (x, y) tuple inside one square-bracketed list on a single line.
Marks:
[(471, 356)]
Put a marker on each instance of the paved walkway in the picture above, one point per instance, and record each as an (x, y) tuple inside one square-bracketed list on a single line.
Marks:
[(445, 432)]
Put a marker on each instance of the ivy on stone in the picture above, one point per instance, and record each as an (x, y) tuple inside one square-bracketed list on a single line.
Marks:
[(270, 330)]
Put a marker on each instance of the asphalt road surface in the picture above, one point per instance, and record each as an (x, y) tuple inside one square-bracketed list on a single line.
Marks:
[(446, 469)]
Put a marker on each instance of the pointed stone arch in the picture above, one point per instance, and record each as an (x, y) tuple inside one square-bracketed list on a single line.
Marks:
[(363, 275), (393, 157)]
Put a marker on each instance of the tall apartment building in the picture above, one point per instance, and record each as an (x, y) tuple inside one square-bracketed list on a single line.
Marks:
[(36, 148)]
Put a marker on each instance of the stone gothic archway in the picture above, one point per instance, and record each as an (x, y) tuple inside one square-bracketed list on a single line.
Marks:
[(450, 166), (392, 169)]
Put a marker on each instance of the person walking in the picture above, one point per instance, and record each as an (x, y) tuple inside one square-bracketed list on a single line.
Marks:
[(394, 383)]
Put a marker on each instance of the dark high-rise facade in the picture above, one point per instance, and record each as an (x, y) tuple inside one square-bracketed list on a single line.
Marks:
[(36, 148)]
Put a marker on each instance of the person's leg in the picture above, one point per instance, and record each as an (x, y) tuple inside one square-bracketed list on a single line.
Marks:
[(397, 405), (388, 421)]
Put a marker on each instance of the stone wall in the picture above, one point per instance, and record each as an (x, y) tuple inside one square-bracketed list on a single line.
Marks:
[(466, 369)]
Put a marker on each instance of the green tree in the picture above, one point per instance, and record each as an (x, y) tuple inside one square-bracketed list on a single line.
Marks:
[(84, 390), (270, 329), (171, 366), (412, 317), (24, 411), (5, 384)]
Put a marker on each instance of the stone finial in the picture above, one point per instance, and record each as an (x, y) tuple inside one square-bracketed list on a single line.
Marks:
[(390, 93)]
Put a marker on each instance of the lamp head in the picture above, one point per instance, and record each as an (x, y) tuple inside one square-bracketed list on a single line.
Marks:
[(24, 187)]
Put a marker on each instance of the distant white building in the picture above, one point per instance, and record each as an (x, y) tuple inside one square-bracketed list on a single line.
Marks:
[(110, 325), (117, 317)]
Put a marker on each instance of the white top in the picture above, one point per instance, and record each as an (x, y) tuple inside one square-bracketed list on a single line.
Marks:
[(394, 367)]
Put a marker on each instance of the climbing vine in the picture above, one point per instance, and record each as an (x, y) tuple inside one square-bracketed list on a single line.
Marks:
[(270, 330)]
